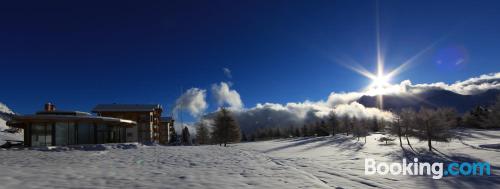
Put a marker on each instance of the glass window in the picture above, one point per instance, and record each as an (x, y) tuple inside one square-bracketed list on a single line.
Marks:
[(71, 133), (41, 134), (48, 134), (102, 133), (61, 133), (85, 133), (37, 134)]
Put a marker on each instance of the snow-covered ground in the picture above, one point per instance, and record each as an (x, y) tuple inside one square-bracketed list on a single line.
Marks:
[(4, 114), (8, 136), (323, 162), (339, 161)]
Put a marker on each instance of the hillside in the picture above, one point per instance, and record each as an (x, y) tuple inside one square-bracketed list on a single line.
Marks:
[(6, 114), (434, 98)]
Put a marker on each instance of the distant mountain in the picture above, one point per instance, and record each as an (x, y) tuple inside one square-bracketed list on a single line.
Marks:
[(433, 98)]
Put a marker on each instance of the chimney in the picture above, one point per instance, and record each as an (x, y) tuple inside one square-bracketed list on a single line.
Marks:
[(49, 107)]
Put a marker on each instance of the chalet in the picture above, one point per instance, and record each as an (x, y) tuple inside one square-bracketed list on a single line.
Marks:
[(147, 117), (51, 128)]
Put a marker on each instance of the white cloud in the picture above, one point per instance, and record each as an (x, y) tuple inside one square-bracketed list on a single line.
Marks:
[(358, 110), (224, 95), (299, 113), (227, 72), (343, 98), (470, 86), (193, 101), (474, 85)]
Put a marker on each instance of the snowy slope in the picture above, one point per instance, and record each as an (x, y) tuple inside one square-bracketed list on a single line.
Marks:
[(339, 161), (148, 167), (5, 109), (5, 113), (323, 162)]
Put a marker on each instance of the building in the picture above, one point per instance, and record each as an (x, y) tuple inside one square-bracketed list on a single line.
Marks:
[(147, 117), (166, 130), (51, 128)]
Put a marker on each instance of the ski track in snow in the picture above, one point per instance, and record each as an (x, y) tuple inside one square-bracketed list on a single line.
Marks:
[(322, 162)]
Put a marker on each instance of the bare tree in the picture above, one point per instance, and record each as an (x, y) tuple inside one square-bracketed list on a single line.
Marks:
[(353, 121), (407, 122), (346, 124), (477, 117), (435, 124), (493, 119), (333, 122), (321, 129), (396, 128), (359, 128)]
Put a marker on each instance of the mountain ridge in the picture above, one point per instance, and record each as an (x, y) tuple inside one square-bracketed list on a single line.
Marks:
[(433, 99)]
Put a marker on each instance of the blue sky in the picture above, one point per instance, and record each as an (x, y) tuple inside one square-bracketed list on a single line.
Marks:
[(78, 54)]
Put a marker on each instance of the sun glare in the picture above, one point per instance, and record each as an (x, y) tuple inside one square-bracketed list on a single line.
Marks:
[(380, 85), (380, 81)]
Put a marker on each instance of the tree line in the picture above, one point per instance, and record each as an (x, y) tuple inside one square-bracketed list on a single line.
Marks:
[(427, 124)]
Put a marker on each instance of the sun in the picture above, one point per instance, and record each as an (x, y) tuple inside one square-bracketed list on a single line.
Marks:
[(380, 81), (380, 85)]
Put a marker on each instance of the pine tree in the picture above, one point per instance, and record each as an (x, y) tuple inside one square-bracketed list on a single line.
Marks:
[(226, 129), (186, 136), (173, 137), (202, 134)]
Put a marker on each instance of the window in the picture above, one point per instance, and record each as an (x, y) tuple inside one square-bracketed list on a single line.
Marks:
[(41, 134), (85, 133), (71, 133), (102, 133), (48, 135), (65, 133), (61, 133)]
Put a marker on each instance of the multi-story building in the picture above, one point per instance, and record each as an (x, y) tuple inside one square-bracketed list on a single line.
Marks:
[(147, 117), (166, 130)]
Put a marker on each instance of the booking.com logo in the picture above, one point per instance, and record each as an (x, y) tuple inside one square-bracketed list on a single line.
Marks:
[(423, 168)]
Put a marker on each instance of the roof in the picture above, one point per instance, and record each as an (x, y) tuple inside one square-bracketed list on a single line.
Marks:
[(74, 113), (126, 108), (17, 120)]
